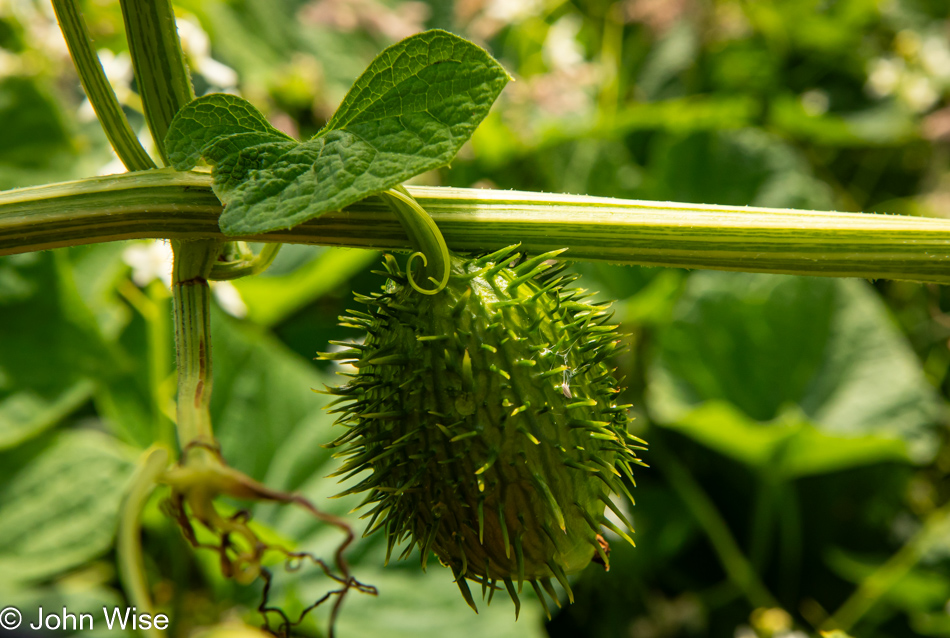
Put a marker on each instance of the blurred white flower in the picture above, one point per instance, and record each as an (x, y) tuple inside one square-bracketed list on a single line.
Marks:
[(935, 57), (907, 43), (150, 261), (9, 63), (194, 41), (218, 74), (815, 102), (884, 76), (47, 37), (561, 48), (918, 91), (118, 70), (512, 11), (229, 298), (918, 75), (745, 631), (197, 46), (153, 260), (113, 167)]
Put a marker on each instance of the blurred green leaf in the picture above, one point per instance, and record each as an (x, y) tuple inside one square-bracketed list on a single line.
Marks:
[(788, 445), (270, 299), (811, 372), (743, 65), (26, 413), (743, 167), (76, 595), (11, 35), (52, 350), (61, 510), (138, 401), (673, 53), (887, 124), (920, 590), (936, 624), (262, 391), (417, 605), (831, 31), (97, 270), (34, 130)]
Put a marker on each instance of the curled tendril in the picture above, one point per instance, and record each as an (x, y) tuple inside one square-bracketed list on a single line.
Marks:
[(425, 237), (425, 262)]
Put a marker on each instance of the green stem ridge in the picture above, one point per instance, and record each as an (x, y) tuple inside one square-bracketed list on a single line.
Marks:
[(160, 72), (192, 312), (168, 204), (98, 89)]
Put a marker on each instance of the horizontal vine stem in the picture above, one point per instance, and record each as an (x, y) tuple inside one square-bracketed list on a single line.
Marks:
[(168, 204)]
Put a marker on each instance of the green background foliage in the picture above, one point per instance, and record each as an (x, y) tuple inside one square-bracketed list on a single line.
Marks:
[(798, 425)]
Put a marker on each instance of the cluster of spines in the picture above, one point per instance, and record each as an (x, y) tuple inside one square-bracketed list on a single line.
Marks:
[(371, 399)]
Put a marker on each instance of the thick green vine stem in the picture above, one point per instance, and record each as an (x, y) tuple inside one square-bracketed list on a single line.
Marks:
[(192, 309), (98, 89), (174, 205), (424, 236)]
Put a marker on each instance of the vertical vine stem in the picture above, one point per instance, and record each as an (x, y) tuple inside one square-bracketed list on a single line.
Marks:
[(160, 72), (165, 86), (98, 89), (192, 310)]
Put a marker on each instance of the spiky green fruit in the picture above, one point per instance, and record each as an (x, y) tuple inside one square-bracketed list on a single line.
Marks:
[(486, 416)]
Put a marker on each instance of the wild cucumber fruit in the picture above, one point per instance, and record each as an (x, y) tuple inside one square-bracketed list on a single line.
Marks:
[(486, 416)]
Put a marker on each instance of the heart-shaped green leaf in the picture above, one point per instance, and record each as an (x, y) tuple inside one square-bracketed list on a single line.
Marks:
[(408, 113)]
